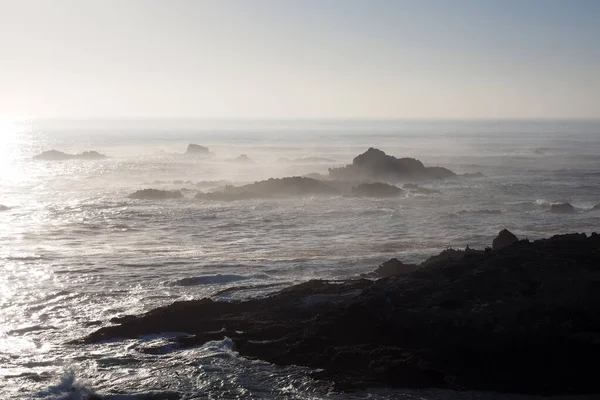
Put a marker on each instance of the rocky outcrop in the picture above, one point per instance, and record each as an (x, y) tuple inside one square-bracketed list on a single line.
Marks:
[(196, 149), (156, 194), (376, 190), (419, 190), (374, 164), (394, 267), (55, 155), (504, 239), (242, 159), (521, 319), (281, 187), (562, 208)]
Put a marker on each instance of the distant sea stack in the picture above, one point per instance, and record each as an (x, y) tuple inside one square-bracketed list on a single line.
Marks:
[(156, 194), (55, 155), (242, 159), (196, 150), (374, 164)]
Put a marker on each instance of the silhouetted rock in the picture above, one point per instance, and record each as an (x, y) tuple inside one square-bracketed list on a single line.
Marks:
[(521, 319), (504, 239), (4, 208), (281, 187), (394, 267), (374, 164), (418, 189), (55, 155), (242, 159), (156, 194), (196, 149), (376, 190), (563, 208)]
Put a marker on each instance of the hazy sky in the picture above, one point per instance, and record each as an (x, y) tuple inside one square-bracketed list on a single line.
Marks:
[(300, 59)]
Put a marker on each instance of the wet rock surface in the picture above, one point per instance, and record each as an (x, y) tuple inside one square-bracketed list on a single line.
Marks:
[(521, 319), (563, 208), (55, 155), (281, 187), (374, 164), (156, 194)]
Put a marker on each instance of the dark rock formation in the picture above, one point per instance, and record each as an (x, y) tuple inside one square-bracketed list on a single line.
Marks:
[(504, 239), (418, 189), (196, 149), (242, 159), (294, 186), (55, 155), (374, 164), (521, 319), (4, 208), (394, 267), (563, 208), (376, 190), (596, 207), (156, 194)]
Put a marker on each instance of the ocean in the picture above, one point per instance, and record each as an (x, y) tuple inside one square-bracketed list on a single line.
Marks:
[(75, 251)]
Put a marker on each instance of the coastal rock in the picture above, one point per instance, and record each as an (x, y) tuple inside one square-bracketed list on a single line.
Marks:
[(156, 194), (394, 267), (521, 319), (418, 189), (504, 239), (281, 187), (55, 155), (562, 208), (242, 159), (377, 189), (196, 149), (596, 207), (4, 208), (374, 164)]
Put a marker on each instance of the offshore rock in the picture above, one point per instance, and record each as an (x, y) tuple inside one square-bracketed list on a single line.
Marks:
[(563, 208), (504, 239), (281, 187), (55, 155), (242, 159), (156, 194), (377, 189), (374, 164), (196, 149), (521, 319), (4, 208)]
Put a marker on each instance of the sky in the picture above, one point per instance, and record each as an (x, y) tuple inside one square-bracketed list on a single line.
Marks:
[(302, 59)]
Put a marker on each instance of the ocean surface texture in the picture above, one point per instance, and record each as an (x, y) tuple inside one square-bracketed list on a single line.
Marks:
[(75, 251)]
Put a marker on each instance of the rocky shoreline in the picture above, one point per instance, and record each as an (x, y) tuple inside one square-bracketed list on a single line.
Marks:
[(520, 318)]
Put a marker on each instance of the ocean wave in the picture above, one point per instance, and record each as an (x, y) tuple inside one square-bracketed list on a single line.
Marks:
[(479, 212)]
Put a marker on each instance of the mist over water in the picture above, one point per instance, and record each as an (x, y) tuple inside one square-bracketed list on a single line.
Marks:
[(75, 251)]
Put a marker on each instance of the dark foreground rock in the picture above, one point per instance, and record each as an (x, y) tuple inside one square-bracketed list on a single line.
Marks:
[(281, 187), (196, 149), (374, 164), (156, 194), (394, 267), (376, 189), (55, 155), (521, 319), (504, 239), (563, 208)]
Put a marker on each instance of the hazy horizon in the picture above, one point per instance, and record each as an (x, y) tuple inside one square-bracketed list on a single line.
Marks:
[(339, 60)]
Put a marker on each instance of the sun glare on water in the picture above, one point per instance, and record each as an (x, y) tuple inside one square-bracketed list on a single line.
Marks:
[(10, 137)]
